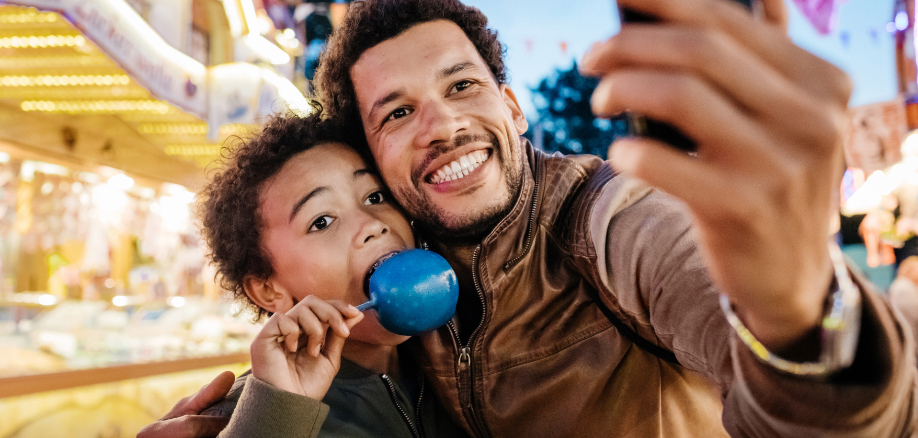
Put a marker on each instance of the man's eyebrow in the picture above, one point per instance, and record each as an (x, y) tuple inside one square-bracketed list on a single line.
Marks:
[(301, 202), (462, 66), (385, 100)]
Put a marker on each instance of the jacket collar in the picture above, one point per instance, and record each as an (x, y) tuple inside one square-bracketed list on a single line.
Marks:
[(511, 239)]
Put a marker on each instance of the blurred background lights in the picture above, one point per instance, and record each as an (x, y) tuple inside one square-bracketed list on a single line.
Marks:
[(902, 20), (121, 181)]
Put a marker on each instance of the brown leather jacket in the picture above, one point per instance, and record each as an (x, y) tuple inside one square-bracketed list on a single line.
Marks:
[(545, 362)]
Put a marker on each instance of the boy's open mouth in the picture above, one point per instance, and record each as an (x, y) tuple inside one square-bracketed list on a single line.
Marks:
[(366, 278)]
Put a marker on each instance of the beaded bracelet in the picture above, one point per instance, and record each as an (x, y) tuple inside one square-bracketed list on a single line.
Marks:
[(840, 327)]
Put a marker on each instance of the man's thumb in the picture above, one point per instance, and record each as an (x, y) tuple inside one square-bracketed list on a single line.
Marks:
[(210, 394)]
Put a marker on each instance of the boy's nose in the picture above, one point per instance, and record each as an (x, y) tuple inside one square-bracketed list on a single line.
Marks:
[(370, 228)]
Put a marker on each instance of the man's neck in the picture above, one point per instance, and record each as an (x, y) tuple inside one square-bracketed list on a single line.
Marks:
[(459, 256)]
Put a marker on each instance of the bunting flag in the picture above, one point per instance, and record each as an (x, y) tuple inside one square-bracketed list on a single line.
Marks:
[(823, 14)]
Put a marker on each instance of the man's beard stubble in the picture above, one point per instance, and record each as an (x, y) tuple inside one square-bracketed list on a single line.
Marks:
[(435, 223)]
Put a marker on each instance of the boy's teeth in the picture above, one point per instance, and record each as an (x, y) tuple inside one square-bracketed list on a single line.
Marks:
[(459, 168)]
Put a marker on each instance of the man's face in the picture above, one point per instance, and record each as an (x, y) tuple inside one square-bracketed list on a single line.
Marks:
[(326, 220), (444, 134)]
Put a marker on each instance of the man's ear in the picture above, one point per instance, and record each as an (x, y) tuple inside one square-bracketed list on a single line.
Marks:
[(519, 120), (267, 294)]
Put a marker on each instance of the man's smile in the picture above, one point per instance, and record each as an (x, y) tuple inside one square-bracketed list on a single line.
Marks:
[(459, 168)]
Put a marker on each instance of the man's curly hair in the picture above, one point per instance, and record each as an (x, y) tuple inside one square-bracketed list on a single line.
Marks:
[(371, 22), (228, 208)]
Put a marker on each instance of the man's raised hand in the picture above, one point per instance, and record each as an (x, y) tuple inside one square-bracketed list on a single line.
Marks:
[(768, 119)]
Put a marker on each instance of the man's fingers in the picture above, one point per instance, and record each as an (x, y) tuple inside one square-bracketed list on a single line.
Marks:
[(712, 56), (694, 181), (722, 131), (210, 394), (775, 12), (188, 426), (766, 39)]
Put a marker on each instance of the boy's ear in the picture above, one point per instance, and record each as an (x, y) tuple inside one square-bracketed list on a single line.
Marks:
[(267, 294)]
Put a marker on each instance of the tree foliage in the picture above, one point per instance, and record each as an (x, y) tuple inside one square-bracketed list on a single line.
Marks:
[(566, 124)]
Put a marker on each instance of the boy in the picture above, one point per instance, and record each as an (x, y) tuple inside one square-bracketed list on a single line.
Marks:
[(294, 221)]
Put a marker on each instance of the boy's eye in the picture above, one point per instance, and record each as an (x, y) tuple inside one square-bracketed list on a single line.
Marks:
[(375, 198), (321, 223)]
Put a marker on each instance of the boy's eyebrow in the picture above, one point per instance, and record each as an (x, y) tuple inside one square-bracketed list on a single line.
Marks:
[(301, 202), (318, 190)]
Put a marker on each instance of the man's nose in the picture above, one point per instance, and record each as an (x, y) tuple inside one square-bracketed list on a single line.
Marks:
[(439, 123)]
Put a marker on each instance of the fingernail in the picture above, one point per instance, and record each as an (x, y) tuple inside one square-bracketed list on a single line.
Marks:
[(624, 155)]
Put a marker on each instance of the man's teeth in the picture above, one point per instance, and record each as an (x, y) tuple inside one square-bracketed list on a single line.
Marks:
[(457, 169)]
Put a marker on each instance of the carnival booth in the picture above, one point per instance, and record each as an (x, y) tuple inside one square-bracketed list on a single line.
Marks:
[(111, 112)]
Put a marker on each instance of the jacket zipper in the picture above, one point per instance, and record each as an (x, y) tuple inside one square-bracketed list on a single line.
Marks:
[(532, 212), (465, 352), (392, 394), (417, 411)]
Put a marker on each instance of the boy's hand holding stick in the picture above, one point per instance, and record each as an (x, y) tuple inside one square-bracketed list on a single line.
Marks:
[(300, 351)]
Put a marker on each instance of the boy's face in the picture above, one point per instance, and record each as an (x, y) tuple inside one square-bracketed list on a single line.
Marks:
[(327, 218)]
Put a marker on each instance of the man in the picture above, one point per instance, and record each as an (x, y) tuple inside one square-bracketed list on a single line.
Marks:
[(536, 240)]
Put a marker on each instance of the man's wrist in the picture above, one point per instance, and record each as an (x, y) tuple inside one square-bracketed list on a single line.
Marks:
[(837, 334)]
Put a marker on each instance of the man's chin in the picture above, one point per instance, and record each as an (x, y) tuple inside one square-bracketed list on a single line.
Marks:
[(461, 229)]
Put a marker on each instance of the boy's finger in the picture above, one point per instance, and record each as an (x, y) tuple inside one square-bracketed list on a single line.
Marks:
[(311, 327), (330, 315), (288, 332), (333, 346), (351, 322), (349, 311)]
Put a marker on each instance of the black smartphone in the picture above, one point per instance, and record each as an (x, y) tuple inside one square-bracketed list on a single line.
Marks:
[(641, 126)]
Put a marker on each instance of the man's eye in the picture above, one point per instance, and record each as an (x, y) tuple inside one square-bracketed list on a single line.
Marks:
[(461, 86), (321, 223), (398, 113), (375, 198)]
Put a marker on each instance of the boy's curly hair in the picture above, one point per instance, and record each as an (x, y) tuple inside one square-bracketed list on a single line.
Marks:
[(228, 207), (371, 22)]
